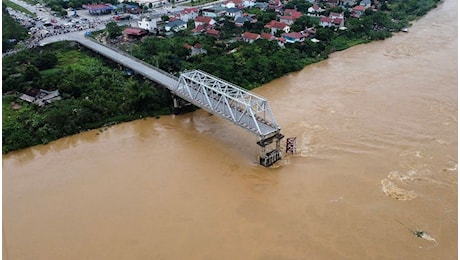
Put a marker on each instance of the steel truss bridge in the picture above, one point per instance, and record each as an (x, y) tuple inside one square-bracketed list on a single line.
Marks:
[(221, 98)]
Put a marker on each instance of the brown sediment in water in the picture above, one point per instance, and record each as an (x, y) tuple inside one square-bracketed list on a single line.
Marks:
[(374, 116)]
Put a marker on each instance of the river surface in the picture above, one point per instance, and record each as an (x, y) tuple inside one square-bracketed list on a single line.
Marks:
[(376, 161)]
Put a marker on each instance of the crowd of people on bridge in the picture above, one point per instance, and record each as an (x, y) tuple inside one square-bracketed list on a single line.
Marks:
[(38, 30)]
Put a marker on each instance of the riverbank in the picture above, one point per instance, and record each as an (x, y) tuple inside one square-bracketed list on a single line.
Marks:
[(247, 65)]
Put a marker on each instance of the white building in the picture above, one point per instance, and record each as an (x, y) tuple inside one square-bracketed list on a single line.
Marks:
[(147, 23)]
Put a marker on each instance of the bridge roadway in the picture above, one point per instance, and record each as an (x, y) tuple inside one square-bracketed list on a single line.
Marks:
[(238, 107), (138, 66), (215, 95)]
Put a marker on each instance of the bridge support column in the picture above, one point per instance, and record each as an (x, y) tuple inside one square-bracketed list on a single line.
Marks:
[(181, 106), (269, 158)]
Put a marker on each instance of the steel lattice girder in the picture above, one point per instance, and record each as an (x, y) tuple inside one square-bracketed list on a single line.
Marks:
[(228, 101)]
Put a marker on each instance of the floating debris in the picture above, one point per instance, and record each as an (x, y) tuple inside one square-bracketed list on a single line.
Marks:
[(419, 233), (422, 234)]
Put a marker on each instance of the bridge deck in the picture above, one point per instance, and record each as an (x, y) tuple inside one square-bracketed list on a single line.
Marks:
[(138, 66), (203, 90)]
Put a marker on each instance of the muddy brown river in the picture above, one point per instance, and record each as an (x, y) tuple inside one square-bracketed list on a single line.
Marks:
[(376, 161)]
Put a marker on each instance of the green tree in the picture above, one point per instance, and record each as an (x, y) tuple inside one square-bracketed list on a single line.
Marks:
[(45, 61), (113, 29), (304, 22), (31, 73), (165, 18)]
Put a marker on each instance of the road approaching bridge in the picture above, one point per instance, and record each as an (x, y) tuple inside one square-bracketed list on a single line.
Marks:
[(221, 98)]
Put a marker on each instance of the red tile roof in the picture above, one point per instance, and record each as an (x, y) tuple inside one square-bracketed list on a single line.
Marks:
[(359, 8), (251, 36), (294, 35), (267, 36), (203, 19), (213, 32), (292, 12), (190, 10), (275, 24), (337, 21), (325, 19), (134, 31)]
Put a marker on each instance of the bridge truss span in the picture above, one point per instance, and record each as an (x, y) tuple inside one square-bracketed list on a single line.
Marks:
[(237, 105), (229, 101)]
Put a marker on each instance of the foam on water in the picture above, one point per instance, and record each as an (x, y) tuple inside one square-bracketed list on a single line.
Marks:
[(395, 192)]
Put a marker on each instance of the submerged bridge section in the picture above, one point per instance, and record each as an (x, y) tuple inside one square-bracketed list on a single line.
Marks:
[(221, 98)]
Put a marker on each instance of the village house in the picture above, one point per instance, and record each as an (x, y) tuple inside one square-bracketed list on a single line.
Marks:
[(204, 21), (261, 5), (325, 21), (348, 3), (240, 20), (365, 3), (275, 5), (310, 31), (331, 3), (175, 25), (213, 32), (195, 49), (188, 14), (233, 12), (334, 20), (267, 36), (250, 37), (276, 26), (232, 4), (293, 37), (248, 3), (357, 11), (133, 33), (289, 16), (214, 12), (315, 10), (292, 13), (40, 97)]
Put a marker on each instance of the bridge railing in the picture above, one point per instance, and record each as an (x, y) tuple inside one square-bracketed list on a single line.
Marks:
[(132, 57)]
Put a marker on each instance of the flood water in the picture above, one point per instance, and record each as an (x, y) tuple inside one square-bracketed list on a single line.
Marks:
[(376, 160)]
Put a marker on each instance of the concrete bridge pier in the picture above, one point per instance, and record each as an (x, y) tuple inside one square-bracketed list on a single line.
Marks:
[(273, 155), (181, 106)]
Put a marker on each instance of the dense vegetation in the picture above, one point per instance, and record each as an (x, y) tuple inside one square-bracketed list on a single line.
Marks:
[(94, 94), (247, 65)]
